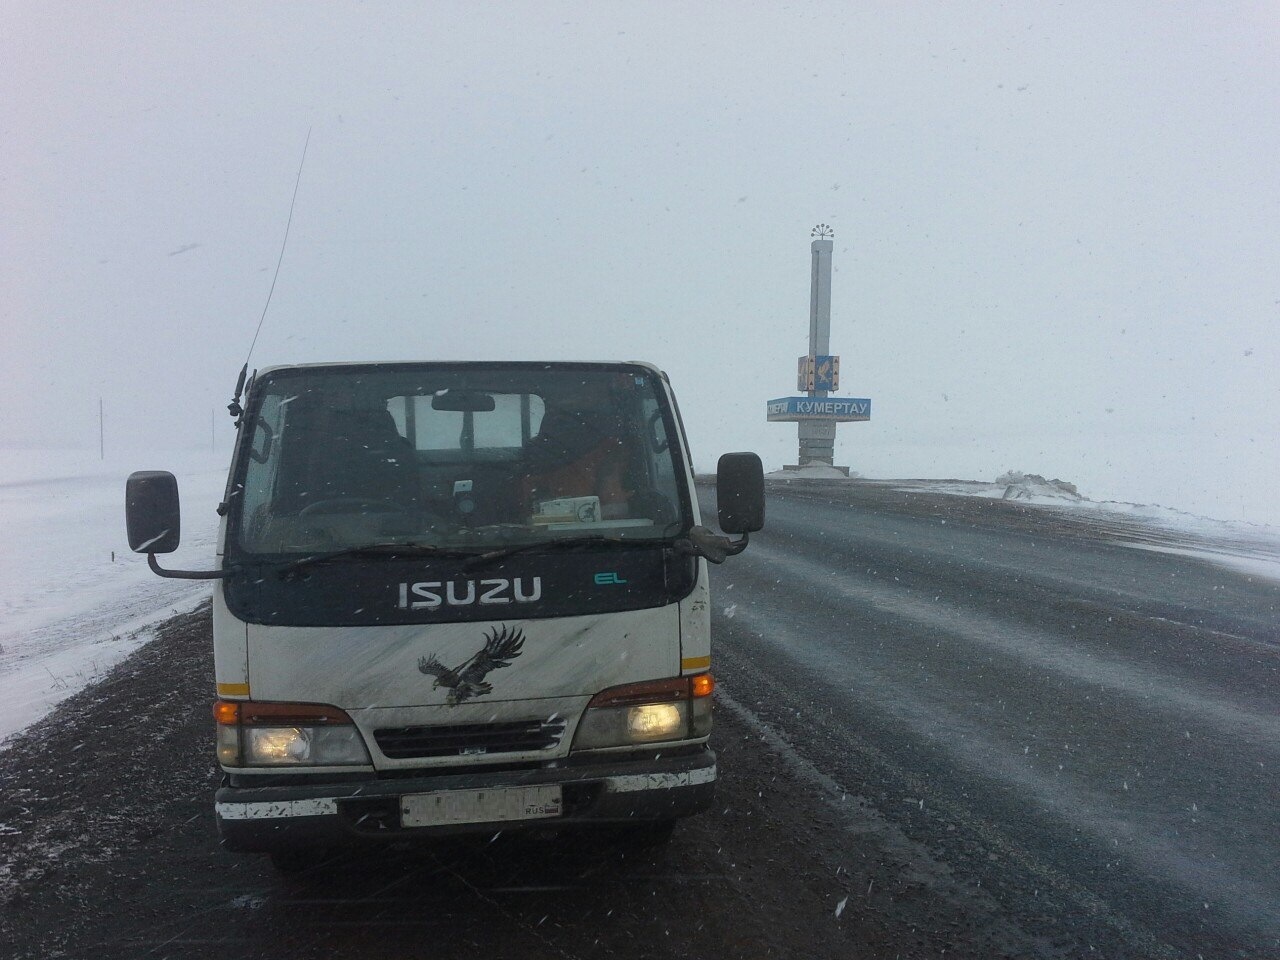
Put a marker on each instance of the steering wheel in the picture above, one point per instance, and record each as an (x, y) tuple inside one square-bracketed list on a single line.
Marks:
[(341, 505)]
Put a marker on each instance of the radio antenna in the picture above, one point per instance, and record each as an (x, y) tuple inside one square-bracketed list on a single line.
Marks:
[(234, 406), (283, 245)]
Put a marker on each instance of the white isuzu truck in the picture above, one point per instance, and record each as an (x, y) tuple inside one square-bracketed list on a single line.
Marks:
[(458, 597)]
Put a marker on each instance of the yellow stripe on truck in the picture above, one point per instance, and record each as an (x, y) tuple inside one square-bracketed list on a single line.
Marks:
[(695, 663), (233, 689)]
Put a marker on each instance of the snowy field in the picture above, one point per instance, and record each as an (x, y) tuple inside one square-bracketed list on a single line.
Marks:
[(75, 601)]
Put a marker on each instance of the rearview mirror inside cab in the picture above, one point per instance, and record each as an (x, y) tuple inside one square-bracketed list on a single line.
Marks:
[(463, 401)]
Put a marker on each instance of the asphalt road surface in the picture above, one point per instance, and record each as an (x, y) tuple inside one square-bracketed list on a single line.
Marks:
[(946, 727)]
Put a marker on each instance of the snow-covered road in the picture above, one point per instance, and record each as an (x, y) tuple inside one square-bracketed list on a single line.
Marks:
[(1070, 723)]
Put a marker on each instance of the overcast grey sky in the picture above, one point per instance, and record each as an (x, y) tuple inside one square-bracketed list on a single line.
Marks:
[(1057, 226)]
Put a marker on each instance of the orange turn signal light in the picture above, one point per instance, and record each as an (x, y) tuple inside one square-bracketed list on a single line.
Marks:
[(702, 685), (226, 712)]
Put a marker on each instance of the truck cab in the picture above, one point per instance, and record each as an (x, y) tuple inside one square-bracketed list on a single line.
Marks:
[(458, 597)]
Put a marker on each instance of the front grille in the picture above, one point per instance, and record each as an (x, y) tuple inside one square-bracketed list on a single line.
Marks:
[(471, 739)]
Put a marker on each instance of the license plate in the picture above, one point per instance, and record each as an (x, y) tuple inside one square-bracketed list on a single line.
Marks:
[(444, 807)]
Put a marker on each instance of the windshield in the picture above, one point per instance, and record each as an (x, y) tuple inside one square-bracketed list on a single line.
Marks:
[(458, 456)]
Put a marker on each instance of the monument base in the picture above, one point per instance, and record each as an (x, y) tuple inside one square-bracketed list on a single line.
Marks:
[(798, 468)]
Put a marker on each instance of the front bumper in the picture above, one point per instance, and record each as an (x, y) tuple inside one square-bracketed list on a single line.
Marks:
[(610, 791)]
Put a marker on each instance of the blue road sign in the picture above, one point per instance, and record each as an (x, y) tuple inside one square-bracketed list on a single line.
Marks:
[(837, 409)]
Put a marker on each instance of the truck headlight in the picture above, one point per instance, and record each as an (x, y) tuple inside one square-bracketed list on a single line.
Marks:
[(656, 721), (653, 711), (252, 734)]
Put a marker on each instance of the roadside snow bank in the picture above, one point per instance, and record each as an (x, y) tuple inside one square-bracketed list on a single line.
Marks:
[(1031, 486), (1249, 548)]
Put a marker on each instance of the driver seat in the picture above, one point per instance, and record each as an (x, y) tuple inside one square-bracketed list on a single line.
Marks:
[(354, 453)]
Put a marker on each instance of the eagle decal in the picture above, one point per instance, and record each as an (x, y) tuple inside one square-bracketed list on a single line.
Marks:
[(467, 679)]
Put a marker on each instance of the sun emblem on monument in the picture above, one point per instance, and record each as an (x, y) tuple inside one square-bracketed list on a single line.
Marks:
[(822, 232)]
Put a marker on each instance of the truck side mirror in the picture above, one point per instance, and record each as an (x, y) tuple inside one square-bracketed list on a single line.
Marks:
[(740, 493), (151, 511)]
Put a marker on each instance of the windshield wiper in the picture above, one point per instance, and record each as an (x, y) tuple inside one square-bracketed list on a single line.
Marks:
[(480, 559), (375, 550)]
